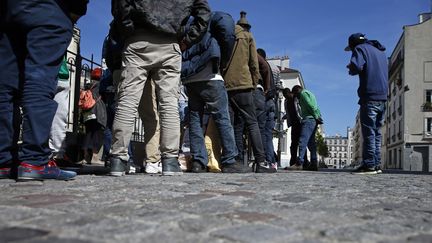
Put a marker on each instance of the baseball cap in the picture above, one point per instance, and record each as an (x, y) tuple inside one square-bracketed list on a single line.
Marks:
[(355, 39)]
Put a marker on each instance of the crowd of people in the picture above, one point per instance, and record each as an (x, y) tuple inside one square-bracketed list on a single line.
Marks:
[(184, 70)]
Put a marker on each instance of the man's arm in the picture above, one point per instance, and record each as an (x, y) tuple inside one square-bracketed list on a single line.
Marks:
[(357, 62), (265, 72), (253, 62), (201, 13), (223, 30)]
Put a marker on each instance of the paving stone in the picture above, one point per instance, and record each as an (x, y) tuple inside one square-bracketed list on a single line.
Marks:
[(255, 233), (281, 207)]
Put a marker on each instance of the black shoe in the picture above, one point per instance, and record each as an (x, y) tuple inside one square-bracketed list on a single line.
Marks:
[(171, 167), (236, 167), (364, 170), (311, 166), (197, 167), (118, 167), (264, 167)]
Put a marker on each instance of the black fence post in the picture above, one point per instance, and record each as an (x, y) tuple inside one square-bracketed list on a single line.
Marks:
[(78, 63)]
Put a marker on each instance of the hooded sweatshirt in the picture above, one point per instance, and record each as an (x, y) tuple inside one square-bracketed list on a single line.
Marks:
[(369, 61)]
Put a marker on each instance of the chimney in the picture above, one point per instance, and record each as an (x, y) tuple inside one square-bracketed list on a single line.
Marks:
[(423, 17)]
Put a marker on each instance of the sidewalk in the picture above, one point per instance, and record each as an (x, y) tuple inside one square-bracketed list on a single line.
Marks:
[(282, 207)]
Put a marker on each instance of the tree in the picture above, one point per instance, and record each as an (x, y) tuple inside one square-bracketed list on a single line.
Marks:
[(322, 148)]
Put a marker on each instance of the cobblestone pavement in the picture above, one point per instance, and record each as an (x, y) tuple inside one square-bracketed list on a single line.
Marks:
[(282, 207)]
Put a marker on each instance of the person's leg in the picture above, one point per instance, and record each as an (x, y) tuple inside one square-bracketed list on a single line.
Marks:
[(57, 141), (268, 132), (308, 127), (167, 79), (313, 164), (11, 47), (129, 92), (216, 98), (378, 136), (149, 115), (261, 114), (368, 118), (246, 108), (196, 134), (49, 32)]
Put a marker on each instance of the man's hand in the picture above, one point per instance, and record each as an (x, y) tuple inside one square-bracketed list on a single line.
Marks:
[(183, 45)]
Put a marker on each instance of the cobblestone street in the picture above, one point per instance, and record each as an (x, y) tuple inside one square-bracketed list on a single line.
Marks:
[(282, 207)]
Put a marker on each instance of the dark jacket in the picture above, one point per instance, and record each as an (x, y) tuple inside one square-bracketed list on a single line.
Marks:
[(112, 52), (216, 46), (161, 17), (369, 61), (78, 7)]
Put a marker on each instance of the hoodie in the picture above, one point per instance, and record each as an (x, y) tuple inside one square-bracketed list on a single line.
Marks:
[(369, 61)]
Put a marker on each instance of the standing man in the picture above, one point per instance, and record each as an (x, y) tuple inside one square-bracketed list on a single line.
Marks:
[(241, 78), (201, 76), (154, 38), (34, 36), (269, 76), (310, 117), (293, 120), (369, 61)]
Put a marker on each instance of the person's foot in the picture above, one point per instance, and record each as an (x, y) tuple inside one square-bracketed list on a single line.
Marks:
[(49, 171), (365, 170), (378, 169), (66, 162), (236, 167), (312, 166), (296, 166), (264, 167), (153, 168), (197, 167), (118, 167), (171, 167), (5, 172)]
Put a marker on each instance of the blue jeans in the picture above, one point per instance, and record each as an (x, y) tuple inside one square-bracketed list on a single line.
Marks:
[(307, 139), (268, 131), (372, 119), (32, 45), (213, 95)]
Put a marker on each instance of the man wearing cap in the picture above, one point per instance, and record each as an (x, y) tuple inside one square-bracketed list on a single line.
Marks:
[(368, 60), (241, 78)]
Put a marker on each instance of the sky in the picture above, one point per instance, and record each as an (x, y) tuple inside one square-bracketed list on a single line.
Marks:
[(312, 33)]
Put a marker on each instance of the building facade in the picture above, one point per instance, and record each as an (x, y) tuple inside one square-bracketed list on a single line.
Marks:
[(339, 148), (408, 127)]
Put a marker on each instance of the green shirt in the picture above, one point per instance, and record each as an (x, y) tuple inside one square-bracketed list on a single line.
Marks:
[(308, 105)]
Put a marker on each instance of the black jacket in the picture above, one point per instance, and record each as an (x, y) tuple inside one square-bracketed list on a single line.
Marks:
[(161, 17), (78, 7)]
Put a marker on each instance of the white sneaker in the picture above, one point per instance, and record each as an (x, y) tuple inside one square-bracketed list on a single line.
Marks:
[(132, 169), (153, 168)]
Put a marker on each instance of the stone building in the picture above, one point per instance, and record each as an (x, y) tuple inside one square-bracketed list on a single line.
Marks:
[(408, 127)]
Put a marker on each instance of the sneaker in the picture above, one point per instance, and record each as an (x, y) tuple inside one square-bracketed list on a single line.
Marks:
[(43, 172), (118, 167), (5, 173), (364, 170), (153, 168), (66, 162), (236, 167), (264, 167), (131, 168), (296, 166), (378, 169), (197, 167), (171, 167)]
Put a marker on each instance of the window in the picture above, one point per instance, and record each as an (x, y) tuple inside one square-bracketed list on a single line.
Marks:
[(428, 128), (428, 97)]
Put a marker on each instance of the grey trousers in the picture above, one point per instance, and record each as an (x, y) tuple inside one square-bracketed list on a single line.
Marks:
[(57, 138), (147, 57)]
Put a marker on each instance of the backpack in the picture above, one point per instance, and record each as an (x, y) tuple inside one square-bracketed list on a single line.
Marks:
[(86, 100)]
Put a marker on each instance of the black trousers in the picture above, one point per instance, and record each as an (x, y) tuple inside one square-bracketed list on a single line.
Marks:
[(243, 117)]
